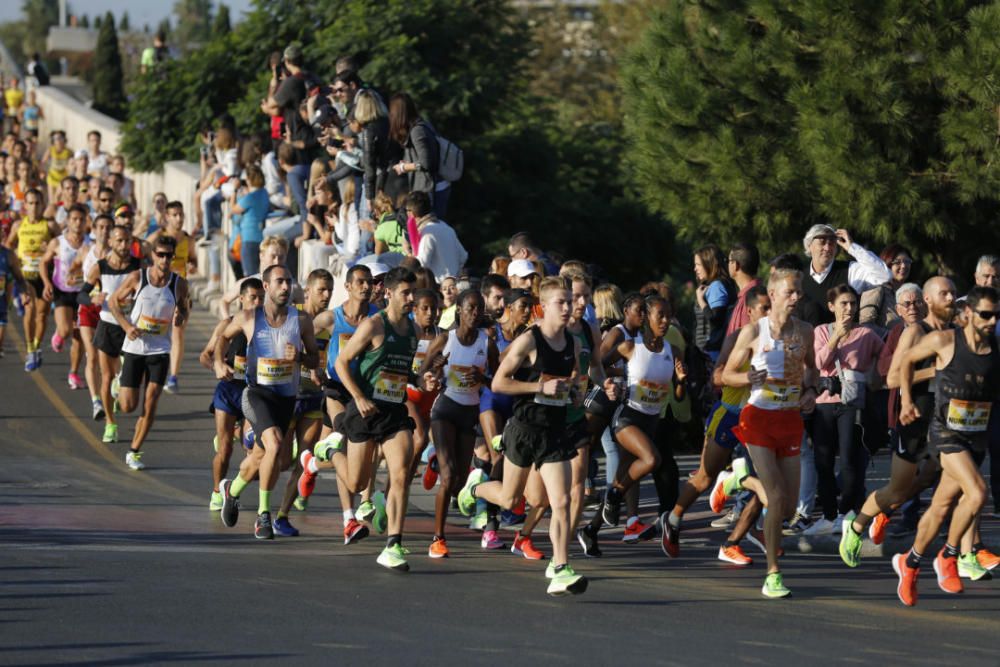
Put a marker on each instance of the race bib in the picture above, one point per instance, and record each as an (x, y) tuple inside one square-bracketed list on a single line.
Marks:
[(342, 340), (271, 372), (561, 398), (239, 368), (390, 387), (456, 380), (781, 393), (74, 280), (152, 326), (968, 416), (31, 263), (652, 394), (418, 360)]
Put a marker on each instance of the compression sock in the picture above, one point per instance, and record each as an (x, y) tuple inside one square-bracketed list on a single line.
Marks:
[(393, 540), (265, 502), (949, 551), (913, 558), (236, 486)]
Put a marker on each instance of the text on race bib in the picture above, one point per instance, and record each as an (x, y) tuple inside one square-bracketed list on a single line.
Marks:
[(152, 325), (652, 394), (781, 393), (31, 263), (968, 416), (560, 398), (390, 387), (239, 368), (272, 372), (457, 381), (418, 360)]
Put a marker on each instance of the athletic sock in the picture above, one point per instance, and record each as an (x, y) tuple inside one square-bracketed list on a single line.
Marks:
[(673, 520), (559, 568), (861, 519), (95, 398), (949, 551), (265, 502), (913, 558), (236, 486), (312, 467), (393, 540), (348, 516), (977, 547), (729, 543), (282, 515)]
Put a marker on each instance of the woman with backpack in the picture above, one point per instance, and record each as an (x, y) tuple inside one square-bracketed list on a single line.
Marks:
[(421, 153)]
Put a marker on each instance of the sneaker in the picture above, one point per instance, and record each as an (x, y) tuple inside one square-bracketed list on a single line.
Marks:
[(481, 517), (116, 385), (30, 362), (987, 559), (838, 524), (438, 549), (756, 538), (588, 540), (301, 504), (394, 558), (946, 570), (638, 532), (354, 531), (670, 537), (110, 433), (431, 472), (906, 589), (611, 510), (550, 570), (262, 528), (284, 528), (491, 540), (215, 502), (726, 521), (365, 511), (850, 542), (97, 410), (511, 518), (380, 520), (466, 501), (134, 460), (307, 480), (57, 343), (717, 499), (230, 511), (734, 555), (38, 358), (876, 529), (171, 386), (523, 546), (821, 526), (798, 525), (774, 586), (969, 568), (75, 381), (328, 446), (566, 582)]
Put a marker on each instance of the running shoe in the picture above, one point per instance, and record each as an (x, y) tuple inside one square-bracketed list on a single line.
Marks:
[(171, 386), (638, 532), (98, 410), (726, 521), (523, 546), (774, 586), (587, 538), (670, 537), (284, 528), (550, 570), (797, 525), (566, 582), (215, 502), (987, 559), (30, 364), (354, 531), (394, 558), (328, 446), (756, 538), (110, 433), (301, 504), (57, 343), (466, 501), (380, 520), (481, 517), (307, 480), (438, 548), (491, 541), (431, 473), (876, 529), (734, 555), (511, 518), (906, 589), (850, 542), (38, 358), (611, 510), (230, 511), (134, 460), (717, 499), (365, 511), (262, 528), (969, 568), (116, 385), (75, 381), (821, 526), (946, 570)]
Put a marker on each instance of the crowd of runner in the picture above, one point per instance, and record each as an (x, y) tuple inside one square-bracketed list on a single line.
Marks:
[(501, 386)]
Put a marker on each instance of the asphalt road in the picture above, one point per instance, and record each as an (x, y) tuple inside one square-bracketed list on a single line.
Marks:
[(104, 566)]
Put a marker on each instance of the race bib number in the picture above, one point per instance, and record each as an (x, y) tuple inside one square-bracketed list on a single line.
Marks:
[(271, 372), (781, 393), (152, 326), (31, 263), (239, 368), (560, 398), (418, 360), (652, 394), (968, 416), (390, 387), (457, 381)]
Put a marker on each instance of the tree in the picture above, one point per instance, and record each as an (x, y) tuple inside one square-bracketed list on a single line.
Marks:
[(221, 23), (194, 22), (97, 22), (109, 95), (757, 119), (125, 24), (39, 16), (85, 21), (164, 27)]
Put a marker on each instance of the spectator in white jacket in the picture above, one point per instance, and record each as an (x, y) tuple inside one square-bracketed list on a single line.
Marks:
[(439, 249)]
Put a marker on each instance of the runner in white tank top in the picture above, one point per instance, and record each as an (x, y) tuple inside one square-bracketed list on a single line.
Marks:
[(63, 260)]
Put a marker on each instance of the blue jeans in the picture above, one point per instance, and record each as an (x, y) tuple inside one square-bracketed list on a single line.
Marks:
[(440, 204), (211, 211), (298, 179), (807, 477), (250, 257)]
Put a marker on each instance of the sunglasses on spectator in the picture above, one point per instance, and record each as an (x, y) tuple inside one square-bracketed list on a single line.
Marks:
[(909, 304), (988, 314), (163, 255)]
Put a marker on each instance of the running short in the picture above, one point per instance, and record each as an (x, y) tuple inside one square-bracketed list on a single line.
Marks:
[(909, 442), (626, 416), (423, 401), (265, 410), (502, 404), (780, 430), (946, 441), (138, 367), (310, 406), (463, 417), (338, 392), (577, 434), (88, 316), (598, 404), (38, 285), (719, 425), (390, 419), (3, 309), (525, 446), (109, 338), (62, 299), (228, 398)]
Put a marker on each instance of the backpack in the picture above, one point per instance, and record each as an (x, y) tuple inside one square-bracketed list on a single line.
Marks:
[(451, 160)]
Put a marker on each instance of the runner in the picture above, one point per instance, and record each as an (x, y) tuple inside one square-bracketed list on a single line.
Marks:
[(10, 273), (89, 315), (782, 380), (426, 312), (968, 382), (280, 341), (160, 302)]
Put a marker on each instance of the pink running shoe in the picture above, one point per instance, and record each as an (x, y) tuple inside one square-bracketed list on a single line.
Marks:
[(74, 381), (57, 343), (491, 540)]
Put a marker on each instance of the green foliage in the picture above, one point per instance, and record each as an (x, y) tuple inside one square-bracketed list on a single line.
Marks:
[(125, 24), (756, 118), (221, 24), (194, 22), (164, 27), (39, 16), (85, 21), (109, 95)]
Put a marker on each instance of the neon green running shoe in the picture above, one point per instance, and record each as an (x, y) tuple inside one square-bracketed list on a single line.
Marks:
[(215, 504), (969, 568), (774, 586), (365, 511), (734, 484), (850, 542), (110, 433), (566, 582), (380, 522), (394, 558), (301, 504), (550, 570), (466, 501), (215, 443), (497, 443), (479, 520), (328, 446)]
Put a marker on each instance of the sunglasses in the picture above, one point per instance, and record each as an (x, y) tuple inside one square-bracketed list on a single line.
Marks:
[(988, 314), (340, 90), (163, 254), (908, 304)]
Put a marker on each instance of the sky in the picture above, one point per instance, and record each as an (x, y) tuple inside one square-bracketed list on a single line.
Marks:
[(140, 12)]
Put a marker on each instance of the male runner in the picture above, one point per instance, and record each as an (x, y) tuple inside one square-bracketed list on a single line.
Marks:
[(10, 268), (88, 316)]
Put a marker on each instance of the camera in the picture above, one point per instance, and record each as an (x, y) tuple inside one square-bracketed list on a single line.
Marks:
[(829, 384)]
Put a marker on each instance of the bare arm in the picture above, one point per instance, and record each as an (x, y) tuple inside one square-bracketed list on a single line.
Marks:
[(519, 352), (127, 287), (224, 335), (310, 356), (181, 311), (207, 356), (367, 332), (934, 344), (727, 348), (45, 271), (742, 350)]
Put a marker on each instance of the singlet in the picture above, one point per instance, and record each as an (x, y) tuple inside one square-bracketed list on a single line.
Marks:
[(423, 344), (4, 272), (306, 384), (923, 392), (501, 341), (111, 280), (733, 398), (538, 410), (153, 315), (17, 194), (67, 280), (31, 116), (383, 372), (650, 376), (340, 334), (58, 165), (575, 413), (782, 390), (90, 260), (236, 357), (966, 389), (32, 237), (179, 264), (461, 360), (267, 367)]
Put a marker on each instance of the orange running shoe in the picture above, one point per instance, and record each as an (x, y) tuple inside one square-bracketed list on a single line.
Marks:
[(907, 587), (354, 531), (519, 507), (876, 529), (431, 472), (987, 558), (523, 547), (734, 555), (717, 499), (638, 532), (307, 480), (438, 548), (947, 574)]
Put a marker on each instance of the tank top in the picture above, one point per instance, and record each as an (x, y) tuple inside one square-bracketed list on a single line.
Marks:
[(782, 389), (32, 237), (18, 193), (383, 372), (461, 360), (967, 387), (179, 264), (58, 165), (65, 279), (538, 410), (341, 333), (267, 365), (153, 315), (111, 280), (90, 260), (501, 341), (575, 413), (236, 357), (306, 384), (733, 398), (650, 376), (4, 272)]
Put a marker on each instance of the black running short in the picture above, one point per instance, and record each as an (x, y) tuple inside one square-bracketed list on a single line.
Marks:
[(946, 441), (577, 434), (335, 391), (62, 299), (598, 404), (152, 368), (265, 409), (526, 446), (390, 419), (464, 417), (626, 416), (109, 338)]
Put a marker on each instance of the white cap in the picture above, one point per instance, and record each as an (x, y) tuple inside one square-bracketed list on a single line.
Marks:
[(521, 268), (377, 269)]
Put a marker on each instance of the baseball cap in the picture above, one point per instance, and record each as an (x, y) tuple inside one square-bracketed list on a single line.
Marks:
[(124, 211), (818, 231), (377, 269), (512, 296), (521, 268)]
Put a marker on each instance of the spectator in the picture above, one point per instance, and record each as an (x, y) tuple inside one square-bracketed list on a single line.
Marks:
[(714, 299), (216, 184), (250, 211), (38, 75), (370, 113), (346, 85), (97, 160), (289, 87), (389, 233), (420, 148), (878, 304), (521, 246), (744, 262), (439, 250), (155, 54), (350, 242)]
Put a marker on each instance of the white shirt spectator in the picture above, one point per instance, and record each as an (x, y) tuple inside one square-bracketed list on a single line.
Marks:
[(440, 250), (867, 271), (97, 165), (272, 180)]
